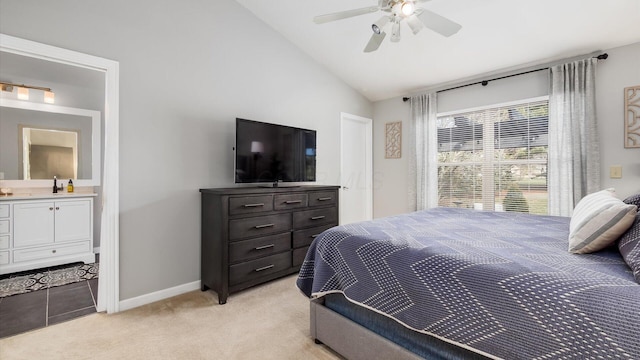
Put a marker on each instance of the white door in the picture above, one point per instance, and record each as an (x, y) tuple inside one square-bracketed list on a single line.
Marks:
[(356, 169)]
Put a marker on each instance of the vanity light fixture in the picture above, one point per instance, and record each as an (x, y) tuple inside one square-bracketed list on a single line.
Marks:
[(49, 97), (23, 91)]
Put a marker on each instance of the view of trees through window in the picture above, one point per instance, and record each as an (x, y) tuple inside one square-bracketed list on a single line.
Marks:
[(495, 158)]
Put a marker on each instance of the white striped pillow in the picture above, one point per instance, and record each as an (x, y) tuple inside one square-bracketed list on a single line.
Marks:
[(598, 220)]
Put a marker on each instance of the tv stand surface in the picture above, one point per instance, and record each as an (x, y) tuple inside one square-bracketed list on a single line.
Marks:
[(279, 185)]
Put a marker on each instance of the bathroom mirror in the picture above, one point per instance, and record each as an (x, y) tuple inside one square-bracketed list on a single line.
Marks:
[(38, 141), (47, 153)]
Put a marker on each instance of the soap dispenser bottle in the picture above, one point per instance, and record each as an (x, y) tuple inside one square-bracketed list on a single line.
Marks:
[(70, 186), (55, 185)]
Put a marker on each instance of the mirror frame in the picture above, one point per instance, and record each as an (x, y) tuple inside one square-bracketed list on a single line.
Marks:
[(95, 141), (109, 284)]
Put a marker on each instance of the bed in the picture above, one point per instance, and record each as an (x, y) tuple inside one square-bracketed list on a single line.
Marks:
[(451, 283)]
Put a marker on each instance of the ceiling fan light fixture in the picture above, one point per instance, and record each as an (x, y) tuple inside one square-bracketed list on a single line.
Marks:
[(397, 11), (407, 8), (378, 25), (395, 31)]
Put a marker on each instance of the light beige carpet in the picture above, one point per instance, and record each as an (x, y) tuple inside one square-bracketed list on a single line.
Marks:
[(270, 321)]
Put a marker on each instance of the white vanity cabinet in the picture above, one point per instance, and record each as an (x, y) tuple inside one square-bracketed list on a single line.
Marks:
[(46, 232), (5, 233)]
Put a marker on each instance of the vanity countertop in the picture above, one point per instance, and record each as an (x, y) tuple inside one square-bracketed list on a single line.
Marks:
[(41, 196)]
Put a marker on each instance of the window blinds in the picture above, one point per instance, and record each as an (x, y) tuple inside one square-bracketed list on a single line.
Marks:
[(494, 158)]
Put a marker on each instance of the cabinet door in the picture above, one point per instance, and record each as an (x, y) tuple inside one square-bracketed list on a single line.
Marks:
[(33, 223), (73, 220)]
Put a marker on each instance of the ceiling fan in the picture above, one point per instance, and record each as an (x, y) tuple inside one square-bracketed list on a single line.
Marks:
[(397, 10)]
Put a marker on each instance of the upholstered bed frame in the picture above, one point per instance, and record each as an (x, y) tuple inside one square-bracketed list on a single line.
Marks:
[(349, 339)]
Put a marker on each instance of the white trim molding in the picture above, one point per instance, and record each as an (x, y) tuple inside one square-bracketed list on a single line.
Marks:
[(158, 295)]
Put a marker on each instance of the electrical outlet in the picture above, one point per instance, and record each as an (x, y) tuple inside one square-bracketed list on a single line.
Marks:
[(615, 172)]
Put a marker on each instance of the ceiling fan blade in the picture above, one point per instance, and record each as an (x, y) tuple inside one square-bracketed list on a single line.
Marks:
[(321, 19), (415, 24), (374, 42), (384, 5), (437, 23)]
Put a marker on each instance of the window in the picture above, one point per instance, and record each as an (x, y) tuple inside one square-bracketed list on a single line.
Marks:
[(495, 158)]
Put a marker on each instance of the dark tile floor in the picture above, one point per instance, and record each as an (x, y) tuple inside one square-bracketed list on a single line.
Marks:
[(25, 312)]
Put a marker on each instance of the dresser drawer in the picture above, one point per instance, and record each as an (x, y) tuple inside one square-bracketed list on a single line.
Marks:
[(250, 204), (4, 226), (290, 201), (51, 251), (264, 246), (258, 226), (250, 270), (308, 218), (319, 198), (305, 237), (4, 241), (4, 211)]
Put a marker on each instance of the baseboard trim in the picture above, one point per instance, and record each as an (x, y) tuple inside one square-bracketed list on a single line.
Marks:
[(158, 295)]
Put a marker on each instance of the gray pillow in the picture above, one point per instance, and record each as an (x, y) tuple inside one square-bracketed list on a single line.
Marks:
[(629, 246), (598, 220)]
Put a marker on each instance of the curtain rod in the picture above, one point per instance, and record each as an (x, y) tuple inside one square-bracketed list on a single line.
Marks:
[(486, 82)]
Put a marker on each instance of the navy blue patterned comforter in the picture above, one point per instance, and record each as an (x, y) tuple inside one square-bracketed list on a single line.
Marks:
[(502, 284)]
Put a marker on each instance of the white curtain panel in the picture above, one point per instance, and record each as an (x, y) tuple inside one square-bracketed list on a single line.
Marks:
[(574, 159), (424, 152)]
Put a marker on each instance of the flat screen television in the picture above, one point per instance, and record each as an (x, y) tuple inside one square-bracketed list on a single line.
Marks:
[(273, 153)]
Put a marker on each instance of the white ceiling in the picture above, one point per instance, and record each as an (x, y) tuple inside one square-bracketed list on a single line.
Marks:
[(495, 35)]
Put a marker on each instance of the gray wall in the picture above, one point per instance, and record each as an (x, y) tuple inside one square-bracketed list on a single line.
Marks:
[(621, 70), (614, 74), (187, 70)]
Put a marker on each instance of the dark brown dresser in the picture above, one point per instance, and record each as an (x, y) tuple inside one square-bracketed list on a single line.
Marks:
[(251, 235)]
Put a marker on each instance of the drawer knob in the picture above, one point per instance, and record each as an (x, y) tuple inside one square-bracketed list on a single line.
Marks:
[(324, 198), (53, 251), (51, 208), (57, 207), (289, 202), (264, 226), (264, 268), (265, 247), (318, 217), (253, 205)]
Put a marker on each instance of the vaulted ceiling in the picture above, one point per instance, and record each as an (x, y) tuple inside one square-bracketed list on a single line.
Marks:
[(495, 35)]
